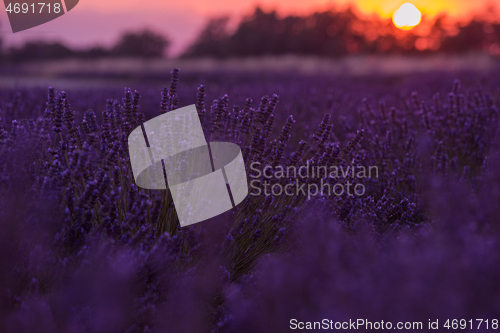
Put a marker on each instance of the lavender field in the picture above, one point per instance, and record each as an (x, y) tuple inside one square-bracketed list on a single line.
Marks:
[(83, 249)]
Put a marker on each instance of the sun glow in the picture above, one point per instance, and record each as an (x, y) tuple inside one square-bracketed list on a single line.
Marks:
[(407, 17)]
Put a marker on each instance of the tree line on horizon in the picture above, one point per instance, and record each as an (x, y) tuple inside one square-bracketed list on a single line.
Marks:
[(341, 33), (327, 34), (140, 44)]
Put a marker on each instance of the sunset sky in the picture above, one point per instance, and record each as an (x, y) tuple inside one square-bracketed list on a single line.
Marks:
[(102, 21)]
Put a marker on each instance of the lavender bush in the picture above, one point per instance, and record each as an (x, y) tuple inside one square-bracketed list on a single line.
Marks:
[(86, 250)]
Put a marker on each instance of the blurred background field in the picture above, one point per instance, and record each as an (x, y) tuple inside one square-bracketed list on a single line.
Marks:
[(342, 39), (330, 31), (357, 65)]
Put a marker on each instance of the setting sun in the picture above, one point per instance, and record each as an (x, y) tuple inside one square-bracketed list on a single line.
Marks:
[(407, 17)]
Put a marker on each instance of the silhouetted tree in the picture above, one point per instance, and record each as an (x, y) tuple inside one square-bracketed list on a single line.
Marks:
[(212, 40), (475, 36), (328, 34), (39, 51), (145, 44)]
